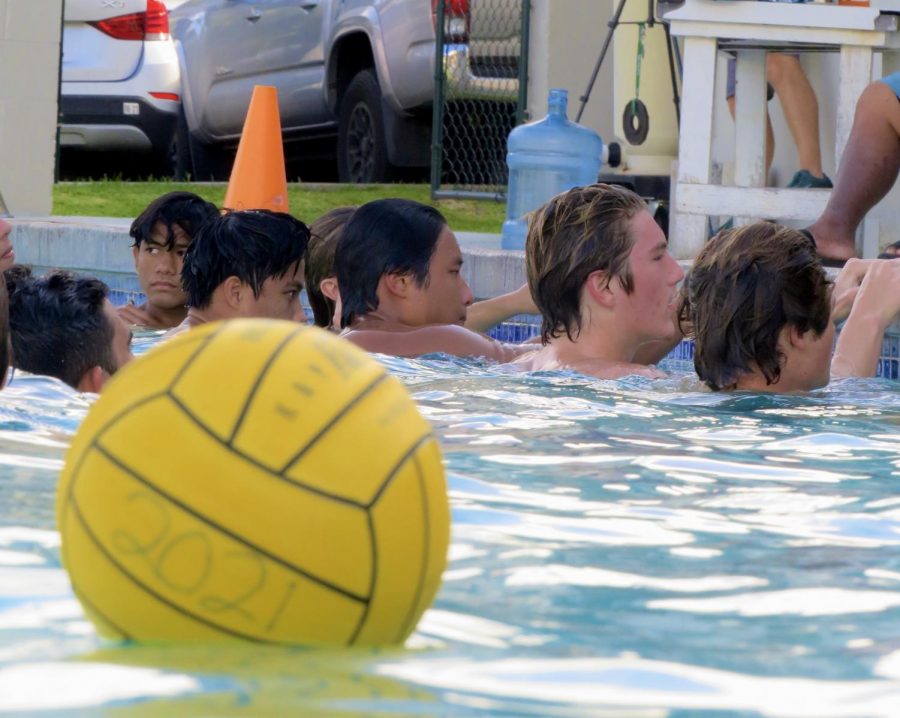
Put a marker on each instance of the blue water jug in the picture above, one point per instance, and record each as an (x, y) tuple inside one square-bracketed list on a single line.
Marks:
[(544, 159)]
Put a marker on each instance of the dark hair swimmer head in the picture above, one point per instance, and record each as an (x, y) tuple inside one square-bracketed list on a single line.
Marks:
[(387, 236), (745, 286), (252, 245), (62, 326), (183, 209)]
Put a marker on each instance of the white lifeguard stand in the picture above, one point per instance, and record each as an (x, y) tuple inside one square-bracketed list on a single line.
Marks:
[(750, 29), (30, 38)]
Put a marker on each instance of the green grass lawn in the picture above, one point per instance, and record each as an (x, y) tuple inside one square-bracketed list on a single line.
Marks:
[(115, 198)]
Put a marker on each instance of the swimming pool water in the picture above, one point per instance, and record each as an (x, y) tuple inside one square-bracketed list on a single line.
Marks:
[(628, 548)]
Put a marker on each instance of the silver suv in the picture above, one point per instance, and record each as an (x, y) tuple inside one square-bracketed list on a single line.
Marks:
[(360, 70), (121, 87)]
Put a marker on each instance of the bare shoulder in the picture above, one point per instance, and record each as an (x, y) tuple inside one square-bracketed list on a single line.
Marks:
[(444, 338)]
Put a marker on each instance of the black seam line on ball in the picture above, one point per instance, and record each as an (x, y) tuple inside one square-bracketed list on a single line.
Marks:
[(259, 380), (374, 576), (93, 607), (334, 420), (258, 464), (426, 541), (76, 472), (205, 342), (399, 465), (373, 579), (227, 532), (162, 599)]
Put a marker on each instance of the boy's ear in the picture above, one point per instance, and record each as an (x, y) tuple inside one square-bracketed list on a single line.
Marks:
[(329, 287), (398, 284), (597, 287), (233, 292), (135, 251), (92, 380), (796, 338)]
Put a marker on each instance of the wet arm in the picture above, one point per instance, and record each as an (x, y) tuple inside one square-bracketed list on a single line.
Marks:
[(875, 307), (486, 314), (445, 339)]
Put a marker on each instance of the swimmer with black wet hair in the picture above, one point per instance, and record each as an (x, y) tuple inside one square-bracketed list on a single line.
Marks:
[(245, 264), (162, 233), (398, 267), (63, 325), (325, 299)]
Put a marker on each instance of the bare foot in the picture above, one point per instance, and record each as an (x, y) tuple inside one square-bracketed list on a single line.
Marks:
[(831, 245)]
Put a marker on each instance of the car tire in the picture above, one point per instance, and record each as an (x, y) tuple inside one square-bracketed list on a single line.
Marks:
[(207, 161), (180, 153), (362, 147)]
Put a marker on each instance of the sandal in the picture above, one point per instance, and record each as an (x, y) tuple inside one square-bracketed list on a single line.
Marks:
[(892, 251)]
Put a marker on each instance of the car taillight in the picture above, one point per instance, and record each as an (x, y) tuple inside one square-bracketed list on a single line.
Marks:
[(456, 19), (150, 25), (157, 27)]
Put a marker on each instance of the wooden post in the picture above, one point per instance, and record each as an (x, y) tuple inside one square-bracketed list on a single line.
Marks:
[(688, 232), (750, 123)]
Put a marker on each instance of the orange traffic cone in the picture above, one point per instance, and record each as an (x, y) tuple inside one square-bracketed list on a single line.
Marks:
[(258, 178)]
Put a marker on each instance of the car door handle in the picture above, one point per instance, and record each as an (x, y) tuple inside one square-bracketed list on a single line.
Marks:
[(309, 6), (254, 15)]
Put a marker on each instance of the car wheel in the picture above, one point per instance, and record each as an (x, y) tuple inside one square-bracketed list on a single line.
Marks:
[(362, 149), (180, 152), (207, 161)]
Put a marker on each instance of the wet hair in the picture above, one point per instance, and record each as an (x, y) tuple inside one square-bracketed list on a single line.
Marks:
[(323, 237), (387, 236), (578, 232), (746, 285), (58, 324), (184, 209), (252, 245)]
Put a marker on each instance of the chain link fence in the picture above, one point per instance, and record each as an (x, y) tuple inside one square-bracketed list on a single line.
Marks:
[(481, 71)]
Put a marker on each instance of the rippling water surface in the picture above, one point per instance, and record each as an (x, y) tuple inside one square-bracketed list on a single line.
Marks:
[(627, 548)]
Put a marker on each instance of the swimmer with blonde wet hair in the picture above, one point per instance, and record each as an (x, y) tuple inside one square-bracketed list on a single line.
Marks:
[(601, 274), (321, 281)]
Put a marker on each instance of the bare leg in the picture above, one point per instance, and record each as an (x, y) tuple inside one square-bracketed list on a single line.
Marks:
[(867, 171), (770, 135), (800, 106)]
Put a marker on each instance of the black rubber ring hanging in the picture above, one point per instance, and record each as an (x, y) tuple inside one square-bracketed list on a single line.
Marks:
[(636, 122)]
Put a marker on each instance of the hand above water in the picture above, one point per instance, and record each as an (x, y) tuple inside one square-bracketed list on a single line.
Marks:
[(846, 287), (878, 298), (876, 304), (136, 315)]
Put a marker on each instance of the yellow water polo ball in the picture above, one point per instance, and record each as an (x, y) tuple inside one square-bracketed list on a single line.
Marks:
[(259, 480)]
